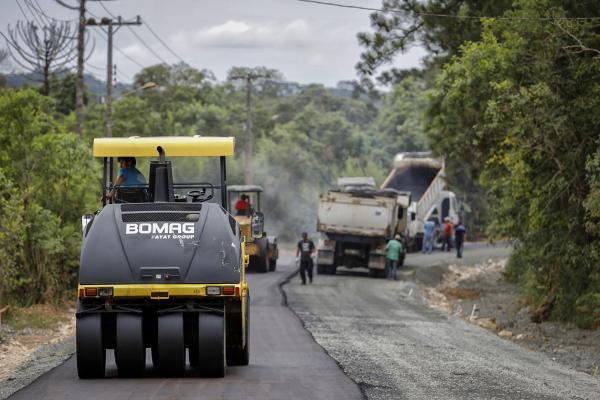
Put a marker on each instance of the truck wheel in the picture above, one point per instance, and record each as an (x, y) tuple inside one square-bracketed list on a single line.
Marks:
[(261, 259), (321, 269), (171, 346), (331, 270), (130, 351), (241, 356), (272, 264), (374, 273), (91, 355), (211, 345)]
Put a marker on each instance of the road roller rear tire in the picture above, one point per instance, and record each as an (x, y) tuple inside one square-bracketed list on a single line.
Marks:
[(272, 264), (211, 345), (91, 354), (130, 351), (262, 259), (171, 345), (241, 356)]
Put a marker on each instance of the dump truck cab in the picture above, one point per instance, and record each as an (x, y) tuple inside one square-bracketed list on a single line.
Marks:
[(245, 203), (162, 267)]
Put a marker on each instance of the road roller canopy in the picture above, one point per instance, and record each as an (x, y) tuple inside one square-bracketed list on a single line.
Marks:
[(161, 187), (173, 146), (244, 188)]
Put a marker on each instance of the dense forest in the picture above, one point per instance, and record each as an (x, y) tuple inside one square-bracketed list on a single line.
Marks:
[(305, 137), (508, 95)]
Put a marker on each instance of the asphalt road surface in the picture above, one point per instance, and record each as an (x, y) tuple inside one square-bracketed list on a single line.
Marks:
[(394, 346), (285, 362)]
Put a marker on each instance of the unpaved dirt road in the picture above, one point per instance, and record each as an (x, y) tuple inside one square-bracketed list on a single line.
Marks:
[(394, 346), (285, 362)]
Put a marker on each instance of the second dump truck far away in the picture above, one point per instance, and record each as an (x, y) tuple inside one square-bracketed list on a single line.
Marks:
[(162, 267), (423, 176), (355, 221)]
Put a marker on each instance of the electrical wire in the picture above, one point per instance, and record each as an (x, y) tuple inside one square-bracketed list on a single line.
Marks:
[(22, 11), (36, 17), (454, 16), (38, 8), (136, 35), (122, 52), (162, 42)]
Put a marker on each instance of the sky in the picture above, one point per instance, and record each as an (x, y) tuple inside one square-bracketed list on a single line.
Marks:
[(308, 43)]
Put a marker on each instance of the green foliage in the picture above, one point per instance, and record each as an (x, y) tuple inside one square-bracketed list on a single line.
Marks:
[(47, 180), (400, 122), (518, 108), (414, 21)]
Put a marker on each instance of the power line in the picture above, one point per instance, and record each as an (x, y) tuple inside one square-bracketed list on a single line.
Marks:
[(122, 52), (162, 42), (22, 11), (36, 17), (136, 35), (425, 14), (146, 46), (38, 8)]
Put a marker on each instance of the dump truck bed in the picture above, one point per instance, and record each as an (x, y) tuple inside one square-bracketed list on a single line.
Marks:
[(356, 214)]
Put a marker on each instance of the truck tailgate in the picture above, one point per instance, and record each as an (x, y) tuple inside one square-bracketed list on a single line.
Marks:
[(344, 213)]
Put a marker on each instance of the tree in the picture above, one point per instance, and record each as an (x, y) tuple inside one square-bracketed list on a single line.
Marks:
[(47, 181), (63, 91), (42, 54), (400, 122), (3, 57), (517, 108), (405, 23)]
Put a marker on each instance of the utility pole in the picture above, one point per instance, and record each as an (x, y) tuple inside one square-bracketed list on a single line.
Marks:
[(249, 136), (79, 87), (248, 76), (111, 24), (109, 79)]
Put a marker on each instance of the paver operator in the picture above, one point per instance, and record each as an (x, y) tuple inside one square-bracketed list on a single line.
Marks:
[(304, 252)]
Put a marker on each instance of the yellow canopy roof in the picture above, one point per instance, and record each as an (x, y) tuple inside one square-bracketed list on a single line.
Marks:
[(174, 146)]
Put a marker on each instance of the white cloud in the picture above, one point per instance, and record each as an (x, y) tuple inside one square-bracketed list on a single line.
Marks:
[(242, 34)]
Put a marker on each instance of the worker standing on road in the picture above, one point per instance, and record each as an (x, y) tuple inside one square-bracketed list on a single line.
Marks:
[(304, 252), (447, 244), (395, 253), (459, 237), (428, 229)]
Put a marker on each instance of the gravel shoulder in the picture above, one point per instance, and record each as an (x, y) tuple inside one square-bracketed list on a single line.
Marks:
[(480, 295), (387, 338), (28, 353)]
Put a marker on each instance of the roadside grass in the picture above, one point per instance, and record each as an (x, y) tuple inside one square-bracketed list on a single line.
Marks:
[(39, 316)]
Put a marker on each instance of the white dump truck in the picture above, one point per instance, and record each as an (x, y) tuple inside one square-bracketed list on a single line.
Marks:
[(423, 176), (355, 220)]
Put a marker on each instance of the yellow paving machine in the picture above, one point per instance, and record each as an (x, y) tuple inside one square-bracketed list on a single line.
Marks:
[(244, 201)]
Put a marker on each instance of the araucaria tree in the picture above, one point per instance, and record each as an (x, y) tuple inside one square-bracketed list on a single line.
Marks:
[(42, 51)]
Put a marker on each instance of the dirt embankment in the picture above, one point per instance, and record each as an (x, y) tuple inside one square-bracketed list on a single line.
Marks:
[(480, 295), (32, 341)]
